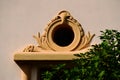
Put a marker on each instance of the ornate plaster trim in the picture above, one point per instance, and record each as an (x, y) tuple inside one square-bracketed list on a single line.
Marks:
[(46, 42)]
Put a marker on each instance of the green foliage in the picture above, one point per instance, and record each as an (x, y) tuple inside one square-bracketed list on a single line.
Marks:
[(100, 63)]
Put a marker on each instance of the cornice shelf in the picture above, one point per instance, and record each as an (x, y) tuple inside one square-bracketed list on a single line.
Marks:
[(41, 56)]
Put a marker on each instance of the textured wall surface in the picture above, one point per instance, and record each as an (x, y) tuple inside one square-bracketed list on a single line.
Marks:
[(20, 19)]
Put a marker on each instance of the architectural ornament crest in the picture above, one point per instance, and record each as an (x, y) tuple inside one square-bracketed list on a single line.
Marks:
[(63, 33)]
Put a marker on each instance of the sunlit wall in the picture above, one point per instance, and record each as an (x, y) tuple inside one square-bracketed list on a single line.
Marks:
[(20, 19)]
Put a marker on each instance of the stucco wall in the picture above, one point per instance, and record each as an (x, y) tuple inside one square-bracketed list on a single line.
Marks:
[(20, 19)]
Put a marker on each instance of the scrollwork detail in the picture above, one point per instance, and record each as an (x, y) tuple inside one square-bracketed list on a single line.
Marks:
[(63, 17)]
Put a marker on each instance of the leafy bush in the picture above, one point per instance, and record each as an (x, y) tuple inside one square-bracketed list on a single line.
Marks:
[(102, 62)]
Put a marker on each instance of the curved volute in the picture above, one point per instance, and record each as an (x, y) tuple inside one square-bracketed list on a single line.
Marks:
[(63, 33)]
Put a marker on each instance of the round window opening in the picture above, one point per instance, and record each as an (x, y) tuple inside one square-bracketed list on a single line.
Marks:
[(63, 35)]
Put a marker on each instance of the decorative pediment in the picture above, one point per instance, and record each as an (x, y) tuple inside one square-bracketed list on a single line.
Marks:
[(63, 33), (63, 37)]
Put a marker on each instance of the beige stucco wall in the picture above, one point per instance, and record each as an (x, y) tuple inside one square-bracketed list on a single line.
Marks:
[(20, 19)]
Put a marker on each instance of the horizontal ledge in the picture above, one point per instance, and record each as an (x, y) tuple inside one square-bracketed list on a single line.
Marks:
[(39, 56)]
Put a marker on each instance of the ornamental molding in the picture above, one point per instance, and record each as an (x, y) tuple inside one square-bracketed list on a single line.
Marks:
[(63, 33)]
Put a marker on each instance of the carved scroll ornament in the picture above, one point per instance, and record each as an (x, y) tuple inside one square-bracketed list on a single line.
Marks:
[(62, 26)]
